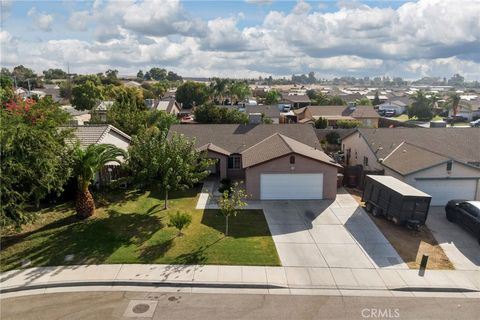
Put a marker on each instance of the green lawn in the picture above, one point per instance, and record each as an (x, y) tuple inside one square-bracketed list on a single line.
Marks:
[(132, 228)]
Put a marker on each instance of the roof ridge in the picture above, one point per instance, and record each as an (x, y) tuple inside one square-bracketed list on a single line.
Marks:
[(286, 142), (270, 136), (394, 150)]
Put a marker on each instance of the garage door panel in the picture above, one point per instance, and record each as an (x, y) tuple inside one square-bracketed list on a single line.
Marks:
[(443, 190), (291, 186)]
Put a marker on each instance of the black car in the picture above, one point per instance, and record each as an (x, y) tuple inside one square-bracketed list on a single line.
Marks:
[(465, 213)]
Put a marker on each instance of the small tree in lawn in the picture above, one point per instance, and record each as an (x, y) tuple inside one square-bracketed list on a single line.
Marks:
[(181, 165), (179, 220), (231, 201)]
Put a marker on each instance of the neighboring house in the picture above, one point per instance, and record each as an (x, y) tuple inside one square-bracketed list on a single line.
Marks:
[(398, 106), (169, 106), (443, 162), (79, 117), (471, 112), (274, 161), (132, 84), (365, 114), (268, 111), (296, 101), (108, 134), (101, 110)]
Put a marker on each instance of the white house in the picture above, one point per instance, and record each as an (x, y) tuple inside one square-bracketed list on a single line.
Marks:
[(398, 106), (443, 162)]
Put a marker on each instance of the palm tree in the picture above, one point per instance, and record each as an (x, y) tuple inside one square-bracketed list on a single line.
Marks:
[(87, 162), (453, 102)]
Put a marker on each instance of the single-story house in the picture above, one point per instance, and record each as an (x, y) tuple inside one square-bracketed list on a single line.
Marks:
[(268, 111), (470, 112), (365, 114), (296, 101), (168, 105), (275, 161), (107, 134), (79, 117), (443, 162)]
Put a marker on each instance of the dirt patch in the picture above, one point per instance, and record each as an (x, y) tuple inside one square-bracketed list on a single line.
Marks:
[(411, 245)]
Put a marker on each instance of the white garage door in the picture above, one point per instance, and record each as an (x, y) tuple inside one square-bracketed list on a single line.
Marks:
[(443, 190), (291, 186)]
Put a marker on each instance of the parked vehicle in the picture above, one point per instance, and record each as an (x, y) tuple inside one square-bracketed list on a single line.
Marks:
[(390, 113), (395, 200), (475, 124), (451, 120), (466, 214)]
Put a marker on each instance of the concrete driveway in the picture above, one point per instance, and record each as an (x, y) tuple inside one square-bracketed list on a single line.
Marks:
[(459, 245), (334, 234)]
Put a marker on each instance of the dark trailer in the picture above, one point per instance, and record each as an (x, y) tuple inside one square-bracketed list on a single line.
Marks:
[(396, 200)]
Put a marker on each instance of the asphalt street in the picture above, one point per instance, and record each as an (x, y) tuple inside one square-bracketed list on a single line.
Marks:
[(148, 305)]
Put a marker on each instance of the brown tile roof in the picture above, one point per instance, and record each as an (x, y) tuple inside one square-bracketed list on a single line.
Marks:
[(235, 138), (408, 158), (278, 145), (460, 144), (214, 148), (270, 111), (92, 134), (343, 111)]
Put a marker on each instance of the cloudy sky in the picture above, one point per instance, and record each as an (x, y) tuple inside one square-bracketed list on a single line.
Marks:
[(246, 38)]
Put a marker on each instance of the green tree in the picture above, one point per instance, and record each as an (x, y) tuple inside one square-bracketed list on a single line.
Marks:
[(239, 90), (179, 221), (209, 113), (420, 107), (336, 101), (25, 77), (35, 158), (86, 95), (82, 79), (364, 101), (87, 163), (158, 74), (231, 202), (172, 160), (54, 74), (454, 102), (66, 89), (376, 100), (333, 137), (321, 123), (191, 94), (6, 89), (272, 97), (218, 89), (172, 76), (140, 75)]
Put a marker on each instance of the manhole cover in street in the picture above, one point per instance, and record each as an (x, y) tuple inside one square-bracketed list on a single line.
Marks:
[(141, 308)]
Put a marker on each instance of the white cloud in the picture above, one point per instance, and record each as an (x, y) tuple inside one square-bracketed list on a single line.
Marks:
[(428, 37), (79, 20), (41, 20), (259, 2)]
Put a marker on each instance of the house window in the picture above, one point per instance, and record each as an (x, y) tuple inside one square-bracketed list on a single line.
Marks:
[(292, 159), (365, 161), (449, 166), (356, 154), (234, 161)]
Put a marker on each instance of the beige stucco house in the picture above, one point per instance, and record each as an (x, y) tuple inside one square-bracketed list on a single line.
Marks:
[(443, 162), (274, 161)]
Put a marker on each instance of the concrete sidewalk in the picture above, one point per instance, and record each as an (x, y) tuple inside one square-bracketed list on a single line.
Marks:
[(246, 279)]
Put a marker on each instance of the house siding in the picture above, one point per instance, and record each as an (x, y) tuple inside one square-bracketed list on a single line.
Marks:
[(357, 144), (282, 165)]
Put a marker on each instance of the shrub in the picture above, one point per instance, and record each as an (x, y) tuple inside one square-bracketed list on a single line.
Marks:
[(179, 220), (226, 185), (348, 124), (333, 137), (321, 123)]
